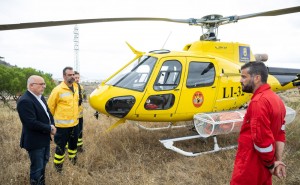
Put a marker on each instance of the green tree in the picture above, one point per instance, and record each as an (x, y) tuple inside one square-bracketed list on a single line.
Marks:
[(13, 81), (5, 85), (18, 83)]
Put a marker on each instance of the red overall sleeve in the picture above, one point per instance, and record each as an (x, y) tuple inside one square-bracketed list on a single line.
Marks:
[(281, 132), (261, 133)]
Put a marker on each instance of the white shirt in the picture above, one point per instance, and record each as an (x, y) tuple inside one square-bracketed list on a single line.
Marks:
[(41, 102)]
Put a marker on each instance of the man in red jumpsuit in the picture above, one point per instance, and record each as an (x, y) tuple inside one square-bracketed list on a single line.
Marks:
[(262, 136)]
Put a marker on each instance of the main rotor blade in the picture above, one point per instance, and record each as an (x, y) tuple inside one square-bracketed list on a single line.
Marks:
[(271, 13), (191, 21), (84, 21)]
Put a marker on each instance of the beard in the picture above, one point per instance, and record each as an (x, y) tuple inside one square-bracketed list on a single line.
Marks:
[(248, 88), (71, 80)]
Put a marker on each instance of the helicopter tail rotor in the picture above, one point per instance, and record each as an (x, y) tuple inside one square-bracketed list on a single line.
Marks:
[(296, 81)]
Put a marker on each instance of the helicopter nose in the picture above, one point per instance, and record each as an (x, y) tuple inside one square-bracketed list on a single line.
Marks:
[(103, 100), (98, 97), (119, 106)]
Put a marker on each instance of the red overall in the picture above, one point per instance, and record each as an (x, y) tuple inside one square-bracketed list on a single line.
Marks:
[(263, 125)]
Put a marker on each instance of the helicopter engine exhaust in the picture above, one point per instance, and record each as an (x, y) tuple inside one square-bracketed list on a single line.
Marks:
[(212, 124), (261, 57)]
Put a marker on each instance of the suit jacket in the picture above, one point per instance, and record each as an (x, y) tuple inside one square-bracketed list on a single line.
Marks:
[(36, 124)]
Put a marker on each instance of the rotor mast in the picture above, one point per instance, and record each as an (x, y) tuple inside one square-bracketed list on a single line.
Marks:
[(210, 27)]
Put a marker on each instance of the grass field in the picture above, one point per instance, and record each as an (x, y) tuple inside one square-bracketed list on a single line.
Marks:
[(128, 155)]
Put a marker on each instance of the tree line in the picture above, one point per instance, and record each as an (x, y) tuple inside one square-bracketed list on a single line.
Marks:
[(13, 82)]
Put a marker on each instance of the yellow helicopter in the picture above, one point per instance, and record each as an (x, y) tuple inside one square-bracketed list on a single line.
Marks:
[(174, 86)]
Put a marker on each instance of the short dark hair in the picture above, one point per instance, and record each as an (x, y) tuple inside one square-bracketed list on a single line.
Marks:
[(67, 68), (76, 72), (257, 68)]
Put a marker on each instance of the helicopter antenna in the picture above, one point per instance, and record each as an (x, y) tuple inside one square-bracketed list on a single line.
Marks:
[(166, 40)]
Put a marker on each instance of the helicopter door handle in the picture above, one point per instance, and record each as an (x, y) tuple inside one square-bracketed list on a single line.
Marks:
[(176, 89), (213, 87)]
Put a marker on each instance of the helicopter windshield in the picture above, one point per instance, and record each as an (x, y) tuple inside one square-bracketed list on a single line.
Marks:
[(135, 76)]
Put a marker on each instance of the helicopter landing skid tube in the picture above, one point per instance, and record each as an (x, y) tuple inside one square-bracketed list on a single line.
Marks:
[(170, 126), (168, 143)]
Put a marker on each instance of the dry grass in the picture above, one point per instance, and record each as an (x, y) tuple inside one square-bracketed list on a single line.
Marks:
[(128, 155)]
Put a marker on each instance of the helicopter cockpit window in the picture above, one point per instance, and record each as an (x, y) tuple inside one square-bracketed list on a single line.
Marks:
[(169, 76), (200, 74), (136, 75)]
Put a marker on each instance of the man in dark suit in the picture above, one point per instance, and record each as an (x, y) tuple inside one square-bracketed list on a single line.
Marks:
[(38, 126)]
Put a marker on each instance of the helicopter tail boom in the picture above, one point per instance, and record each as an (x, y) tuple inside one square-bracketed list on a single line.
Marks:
[(286, 75)]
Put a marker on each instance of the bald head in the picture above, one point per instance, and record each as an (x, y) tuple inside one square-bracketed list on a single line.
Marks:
[(36, 84)]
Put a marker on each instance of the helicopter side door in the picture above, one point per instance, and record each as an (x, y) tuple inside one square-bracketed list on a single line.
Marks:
[(199, 90), (163, 92)]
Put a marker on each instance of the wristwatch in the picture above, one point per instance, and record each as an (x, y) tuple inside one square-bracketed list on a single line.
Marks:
[(271, 166)]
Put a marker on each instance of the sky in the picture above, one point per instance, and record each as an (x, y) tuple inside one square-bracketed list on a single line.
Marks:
[(102, 47)]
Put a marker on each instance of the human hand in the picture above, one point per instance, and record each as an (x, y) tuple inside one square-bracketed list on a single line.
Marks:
[(279, 169), (53, 130)]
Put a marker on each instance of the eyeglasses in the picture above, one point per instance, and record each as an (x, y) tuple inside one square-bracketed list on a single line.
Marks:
[(39, 83)]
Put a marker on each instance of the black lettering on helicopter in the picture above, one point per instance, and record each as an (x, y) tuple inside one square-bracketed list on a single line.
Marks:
[(229, 92), (221, 47)]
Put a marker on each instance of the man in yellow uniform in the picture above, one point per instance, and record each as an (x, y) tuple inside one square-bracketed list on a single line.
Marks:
[(63, 104), (80, 124)]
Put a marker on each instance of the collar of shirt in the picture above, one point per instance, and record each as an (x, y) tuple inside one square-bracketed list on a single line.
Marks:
[(65, 86), (41, 102), (37, 97), (261, 89)]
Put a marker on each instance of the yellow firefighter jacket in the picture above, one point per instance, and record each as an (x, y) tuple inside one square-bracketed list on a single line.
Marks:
[(63, 104), (81, 106)]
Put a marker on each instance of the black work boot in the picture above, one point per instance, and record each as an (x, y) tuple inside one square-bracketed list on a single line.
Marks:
[(80, 149), (73, 160), (58, 167)]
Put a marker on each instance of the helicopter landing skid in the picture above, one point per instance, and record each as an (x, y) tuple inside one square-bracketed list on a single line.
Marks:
[(170, 126), (168, 143)]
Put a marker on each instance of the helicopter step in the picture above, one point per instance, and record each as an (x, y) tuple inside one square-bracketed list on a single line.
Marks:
[(169, 126), (168, 143)]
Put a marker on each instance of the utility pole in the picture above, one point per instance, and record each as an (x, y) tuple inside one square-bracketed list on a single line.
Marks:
[(76, 48)]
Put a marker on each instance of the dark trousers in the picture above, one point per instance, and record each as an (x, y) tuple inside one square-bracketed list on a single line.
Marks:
[(64, 136), (38, 158), (80, 129)]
